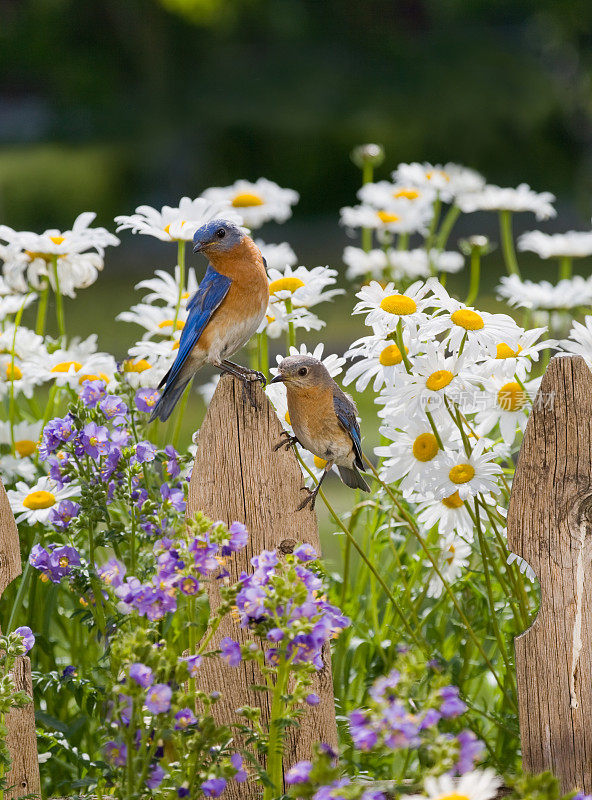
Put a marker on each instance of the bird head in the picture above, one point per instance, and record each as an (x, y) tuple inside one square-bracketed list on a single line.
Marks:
[(302, 372), (216, 236)]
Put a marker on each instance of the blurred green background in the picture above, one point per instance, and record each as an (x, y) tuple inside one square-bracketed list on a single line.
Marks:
[(106, 104)]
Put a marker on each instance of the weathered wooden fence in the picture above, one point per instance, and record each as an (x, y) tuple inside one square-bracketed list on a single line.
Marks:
[(238, 476)]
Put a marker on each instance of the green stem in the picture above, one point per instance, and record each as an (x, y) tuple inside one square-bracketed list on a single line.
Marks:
[(401, 346), (446, 227), (97, 591), (505, 218), (180, 415), (42, 310), (291, 338), (12, 408), (565, 267), (61, 320), (263, 354), (18, 600), (274, 746), (475, 276), (181, 262)]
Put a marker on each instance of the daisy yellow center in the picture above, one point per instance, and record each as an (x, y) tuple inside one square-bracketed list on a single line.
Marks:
[(398, 304), (462, 473), (408, 194), (391, 356), (13, 373), (452, 501), (469, 320), (168, 323), (25, 447), (39, 499), (289, 284), (319, 463), (33, 254), (453, 796), (504, 350), (136, 366), (449, 560), (247, 199), (175, 346), (435, 172), (511, 397), (57, 239), (439, 379), (64, 366), (185, 295), (269, 319), (287, 418), (387, 216), (425, 447), (100, 377)]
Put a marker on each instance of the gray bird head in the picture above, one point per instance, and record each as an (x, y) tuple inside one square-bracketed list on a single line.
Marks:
[(302, 372), (217, 235)]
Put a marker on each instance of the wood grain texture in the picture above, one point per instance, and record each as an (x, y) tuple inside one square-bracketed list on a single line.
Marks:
[(22, 740), (550, 525), (238, 476)]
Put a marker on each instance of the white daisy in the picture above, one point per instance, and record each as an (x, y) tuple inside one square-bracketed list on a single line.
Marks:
[(567, 293), (522, 565), (19, 375), (468, 475), (206, 390), (448, 513), (72, 366), (276, 320), (494, 198), (156, 320), (25, 342), (380, 359), (12, 468), (385, 194), (447, 181), (359, 263), (165, 288), (304, 287), (573, 244), (405, 218), (509, 361), (474, 330), (256, 202), (177, 223), (387, 306), (26, 437), (506, 404), (148, 362), (419, 264), (453, 559), (580, 340), (277, 256), (475, 785), (61, 243), (33, 504), (10, 304)]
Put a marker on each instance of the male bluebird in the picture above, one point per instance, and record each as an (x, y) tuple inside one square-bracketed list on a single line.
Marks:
[(324, 420), (224, 312)]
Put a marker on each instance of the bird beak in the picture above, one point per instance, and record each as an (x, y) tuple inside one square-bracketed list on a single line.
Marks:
[(198, 247), (278, 379)]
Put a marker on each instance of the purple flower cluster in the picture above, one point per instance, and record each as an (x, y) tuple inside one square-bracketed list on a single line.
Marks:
[(180, 566), (300, 773), (56, 561), (292, 594)]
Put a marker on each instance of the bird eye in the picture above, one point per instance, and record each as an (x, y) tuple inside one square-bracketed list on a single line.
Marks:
[(302, 371), (220, 233)]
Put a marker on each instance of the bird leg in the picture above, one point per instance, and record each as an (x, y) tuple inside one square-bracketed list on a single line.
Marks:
[(312, 495), (289, 442), (229, 367), (246, 371)]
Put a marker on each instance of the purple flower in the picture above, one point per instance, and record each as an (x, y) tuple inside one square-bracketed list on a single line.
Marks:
[(116, 753), (331, 792), (141, 674), (193, 664), (68, 672), (173, 496), (275, 635), (213, 787), (312, 699), (363, 735), (305, 552), (27, 636), (146, 399), (92, 392), (127, 708), (430, 718), (94, 439), (183, 718), (112, 572), (471, 751), (240, 776), (231, 651), (299, 773), (452, 705), (145, 451), (372, 794), (55, 563), (171, 465), (189, 585), (239, 536), (183, 791), (158, 698), (114, 409), (56, 432), (61, 515), (155, 777)]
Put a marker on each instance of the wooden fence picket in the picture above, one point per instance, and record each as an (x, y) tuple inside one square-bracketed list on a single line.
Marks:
[(550, 525), (22, 742), (238, 476)]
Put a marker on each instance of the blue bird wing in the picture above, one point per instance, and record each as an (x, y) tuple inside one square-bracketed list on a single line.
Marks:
[(211, 292), (345, 411)]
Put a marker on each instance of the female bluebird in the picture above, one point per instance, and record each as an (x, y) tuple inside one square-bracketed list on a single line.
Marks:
[(324, 420), (224, 312)]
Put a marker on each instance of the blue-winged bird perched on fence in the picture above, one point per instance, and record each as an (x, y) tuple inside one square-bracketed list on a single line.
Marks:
[(324, 420), (224, 312)]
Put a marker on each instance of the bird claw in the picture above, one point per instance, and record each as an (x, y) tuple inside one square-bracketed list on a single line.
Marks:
[(257, 376), (247, 395), (310, 498), (288, 443)]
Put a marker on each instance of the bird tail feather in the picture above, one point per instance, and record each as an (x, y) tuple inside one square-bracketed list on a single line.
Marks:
[(168, 400), (353, 479)]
